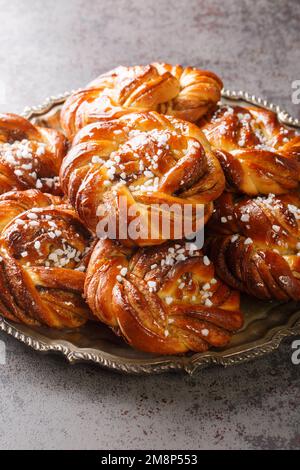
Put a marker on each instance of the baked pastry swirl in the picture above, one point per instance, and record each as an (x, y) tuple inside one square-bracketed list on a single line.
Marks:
[(145, 159), (255, 244), (163, 300), (14, 203), (186, 93), (43, 255), (257, 153), (30, 156)]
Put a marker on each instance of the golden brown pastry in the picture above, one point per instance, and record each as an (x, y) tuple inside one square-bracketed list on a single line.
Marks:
[(162, 300), (255, 244), (142, 159), (186, 93), (30, 156), (257, 153), (14, 203), (43, 255)]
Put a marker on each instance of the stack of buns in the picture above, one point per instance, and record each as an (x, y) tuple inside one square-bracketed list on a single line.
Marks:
[(151, 136)]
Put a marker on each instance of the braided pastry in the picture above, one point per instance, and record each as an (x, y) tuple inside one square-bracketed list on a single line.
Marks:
[(43, 254), (146, 158), (255, 244), (30, 156), (186, 93), (257, 153), (162, 300), (14, 203)]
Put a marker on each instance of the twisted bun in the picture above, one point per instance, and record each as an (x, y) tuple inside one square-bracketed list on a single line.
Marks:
[(255, 245), (162, 300), (148, 159), (43, 254), (257, 153), (30, 156), (186, 93)]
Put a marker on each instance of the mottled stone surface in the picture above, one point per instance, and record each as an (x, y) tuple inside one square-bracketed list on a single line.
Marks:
[(49, 47)]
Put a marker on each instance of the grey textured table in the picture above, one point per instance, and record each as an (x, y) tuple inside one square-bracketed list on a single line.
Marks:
[(55, 45)]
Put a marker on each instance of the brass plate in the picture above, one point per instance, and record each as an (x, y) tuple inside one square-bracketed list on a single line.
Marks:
[(266, 323)]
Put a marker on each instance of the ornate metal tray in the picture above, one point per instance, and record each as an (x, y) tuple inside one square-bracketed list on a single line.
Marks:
[(266, 323)]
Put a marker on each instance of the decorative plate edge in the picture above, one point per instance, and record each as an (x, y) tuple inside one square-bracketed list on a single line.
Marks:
[(191, 365)]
